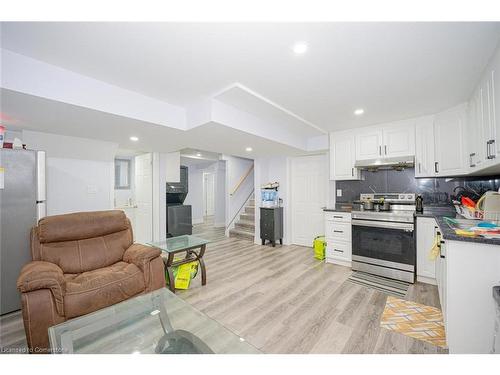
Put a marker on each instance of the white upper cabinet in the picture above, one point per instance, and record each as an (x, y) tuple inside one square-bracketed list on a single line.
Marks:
[(449, 146), (395, 139), (424, 147), (343, 157), (369, 144), (399, 139), (476, 146)]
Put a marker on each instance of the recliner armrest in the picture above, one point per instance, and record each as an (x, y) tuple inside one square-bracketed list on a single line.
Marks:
[(43, 275), (140, 254)]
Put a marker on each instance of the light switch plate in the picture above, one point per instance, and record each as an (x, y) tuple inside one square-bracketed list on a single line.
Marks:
[(91, 189), (339, 192)]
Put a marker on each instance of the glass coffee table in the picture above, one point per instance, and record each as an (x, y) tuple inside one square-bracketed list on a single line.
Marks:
[(194, 249), (157, 322)]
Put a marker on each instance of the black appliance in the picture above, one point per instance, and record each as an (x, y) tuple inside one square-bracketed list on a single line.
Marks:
[(383, 243), (179, 216)]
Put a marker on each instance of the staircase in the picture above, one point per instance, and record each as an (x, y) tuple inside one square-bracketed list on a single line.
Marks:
[(245, 226)]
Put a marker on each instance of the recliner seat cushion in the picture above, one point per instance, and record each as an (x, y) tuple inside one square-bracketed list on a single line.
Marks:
[(94, 290)]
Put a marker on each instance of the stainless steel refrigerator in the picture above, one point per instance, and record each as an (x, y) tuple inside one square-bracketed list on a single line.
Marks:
[(22, 204)]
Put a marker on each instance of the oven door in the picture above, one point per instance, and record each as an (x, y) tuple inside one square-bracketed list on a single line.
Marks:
[(387, 243)]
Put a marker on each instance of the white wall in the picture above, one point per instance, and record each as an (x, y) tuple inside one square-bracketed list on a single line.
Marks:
[(80, 172), (220, 195), (195, 194), (236, 168)]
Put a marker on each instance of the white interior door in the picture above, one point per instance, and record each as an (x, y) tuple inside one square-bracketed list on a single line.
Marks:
[(144, 198), (309, 181), (208, 194)]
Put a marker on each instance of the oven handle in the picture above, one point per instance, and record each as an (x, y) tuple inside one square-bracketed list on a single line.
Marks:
[(383, 224)]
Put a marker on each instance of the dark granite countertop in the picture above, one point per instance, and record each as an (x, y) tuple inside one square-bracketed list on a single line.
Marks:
[(439, 212), (342, 207)]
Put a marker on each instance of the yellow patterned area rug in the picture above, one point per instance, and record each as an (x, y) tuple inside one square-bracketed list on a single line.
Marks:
[(415, 320)]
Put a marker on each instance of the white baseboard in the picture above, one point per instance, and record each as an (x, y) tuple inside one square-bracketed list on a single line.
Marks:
[(426, 280), (197, 221), (220, 225), (339, 262)]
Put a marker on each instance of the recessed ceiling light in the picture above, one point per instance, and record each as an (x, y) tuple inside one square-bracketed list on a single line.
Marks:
[(300, 48), (359, 111), (133, 138), (198, 154), (248, 149)]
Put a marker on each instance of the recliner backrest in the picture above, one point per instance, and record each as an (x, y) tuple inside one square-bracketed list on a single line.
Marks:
[(82, 241)]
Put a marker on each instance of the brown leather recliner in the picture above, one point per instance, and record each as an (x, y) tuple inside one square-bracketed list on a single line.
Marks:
[(82, 262)]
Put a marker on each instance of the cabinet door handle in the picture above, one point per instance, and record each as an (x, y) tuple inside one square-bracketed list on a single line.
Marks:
[(490, 155), (338, 217), (471, 164), (338, 231), (380, 150), (352, 172), (436, 167), (419, 167), (338, 251), (385, 149)]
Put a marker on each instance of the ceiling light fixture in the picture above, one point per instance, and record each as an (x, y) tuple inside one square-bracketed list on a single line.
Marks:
[(359, 111), (248, 149), (134, 138), (198, 154), (299, 48)]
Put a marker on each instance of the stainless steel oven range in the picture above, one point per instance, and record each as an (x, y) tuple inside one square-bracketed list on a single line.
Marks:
[(383, 242)]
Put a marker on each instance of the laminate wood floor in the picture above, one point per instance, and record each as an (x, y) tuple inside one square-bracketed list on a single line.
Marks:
[(208, 231), (282, 300)]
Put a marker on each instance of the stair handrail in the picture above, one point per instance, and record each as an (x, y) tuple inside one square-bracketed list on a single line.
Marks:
[(242, 179), (239, 210)]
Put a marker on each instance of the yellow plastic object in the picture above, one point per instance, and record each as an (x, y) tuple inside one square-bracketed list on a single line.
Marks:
[(466, 233), (434, 251), (319, 245), (184, 274)]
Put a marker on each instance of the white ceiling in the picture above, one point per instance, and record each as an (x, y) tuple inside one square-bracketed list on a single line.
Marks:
[(392, 70), (39, 114)]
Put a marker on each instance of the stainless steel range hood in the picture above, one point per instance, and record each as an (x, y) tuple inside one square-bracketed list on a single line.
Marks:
[(397, 163)]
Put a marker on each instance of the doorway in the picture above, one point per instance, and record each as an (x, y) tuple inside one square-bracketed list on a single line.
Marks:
[(309, 180), (208, 194)]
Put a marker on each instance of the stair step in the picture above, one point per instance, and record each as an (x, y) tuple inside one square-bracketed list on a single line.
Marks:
[(241, 234), (250, 209), (247, 217), (250, 225)]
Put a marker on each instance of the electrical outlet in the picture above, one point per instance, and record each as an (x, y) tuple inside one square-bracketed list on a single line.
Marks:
[(339, 192)]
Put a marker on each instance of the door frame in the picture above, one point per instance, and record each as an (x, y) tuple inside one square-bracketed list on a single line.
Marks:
[(205, 192), (289, 220)]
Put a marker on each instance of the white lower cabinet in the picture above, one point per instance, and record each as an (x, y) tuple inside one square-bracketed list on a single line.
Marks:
[(338, 238), (466, 272), (426, 233)]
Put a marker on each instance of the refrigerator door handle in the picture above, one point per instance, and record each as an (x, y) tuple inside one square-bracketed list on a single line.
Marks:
[(41, 191)]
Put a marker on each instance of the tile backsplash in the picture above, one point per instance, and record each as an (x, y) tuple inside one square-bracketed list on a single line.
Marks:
[(435, 191)]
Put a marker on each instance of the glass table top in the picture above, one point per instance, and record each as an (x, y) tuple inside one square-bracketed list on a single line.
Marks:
[(157, 322), (179, 243)]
